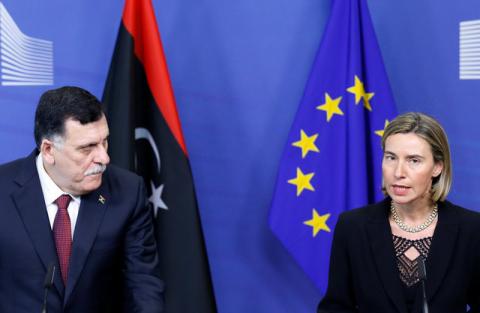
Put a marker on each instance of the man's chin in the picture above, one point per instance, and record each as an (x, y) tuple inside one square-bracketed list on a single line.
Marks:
[(91, 183)]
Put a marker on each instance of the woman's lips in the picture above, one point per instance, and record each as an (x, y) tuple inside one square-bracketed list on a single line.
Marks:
[(400, 190)]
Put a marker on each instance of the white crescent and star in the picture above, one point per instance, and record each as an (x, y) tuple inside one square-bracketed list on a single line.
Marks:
[(156, 196)]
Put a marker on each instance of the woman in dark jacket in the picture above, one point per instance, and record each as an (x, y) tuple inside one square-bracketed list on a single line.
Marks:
[(377, 249)]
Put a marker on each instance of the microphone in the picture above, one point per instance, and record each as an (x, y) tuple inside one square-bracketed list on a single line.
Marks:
[(48, 283), (422, 274)]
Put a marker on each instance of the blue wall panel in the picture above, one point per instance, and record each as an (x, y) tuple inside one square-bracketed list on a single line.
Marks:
[(238, 70)]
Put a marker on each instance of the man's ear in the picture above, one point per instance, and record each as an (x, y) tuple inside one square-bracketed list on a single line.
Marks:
[(47, 151)]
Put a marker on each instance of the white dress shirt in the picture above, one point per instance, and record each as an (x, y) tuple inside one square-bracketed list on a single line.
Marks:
[(51, 192)]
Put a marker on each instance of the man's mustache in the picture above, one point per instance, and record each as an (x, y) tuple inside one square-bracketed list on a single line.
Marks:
[(96, 169)]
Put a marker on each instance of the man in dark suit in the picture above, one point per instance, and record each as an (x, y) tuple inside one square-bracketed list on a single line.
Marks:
[(62, 205)]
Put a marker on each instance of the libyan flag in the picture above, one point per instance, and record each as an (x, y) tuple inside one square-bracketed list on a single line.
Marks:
[(146, 137)]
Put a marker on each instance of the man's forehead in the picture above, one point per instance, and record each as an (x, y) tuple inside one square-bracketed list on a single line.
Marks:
[(97, 130)]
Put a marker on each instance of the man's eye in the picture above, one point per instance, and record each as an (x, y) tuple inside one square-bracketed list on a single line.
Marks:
[(86, 149)]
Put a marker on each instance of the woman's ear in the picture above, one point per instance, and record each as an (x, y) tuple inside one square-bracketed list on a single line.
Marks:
[(437, 169)]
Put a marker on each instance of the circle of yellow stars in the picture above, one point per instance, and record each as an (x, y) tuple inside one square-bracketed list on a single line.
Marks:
[(306, 143)]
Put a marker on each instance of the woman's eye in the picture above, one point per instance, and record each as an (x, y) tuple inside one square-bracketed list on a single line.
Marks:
[(414, 161)]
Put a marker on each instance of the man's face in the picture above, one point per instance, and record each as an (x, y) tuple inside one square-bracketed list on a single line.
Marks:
[(76, 163)]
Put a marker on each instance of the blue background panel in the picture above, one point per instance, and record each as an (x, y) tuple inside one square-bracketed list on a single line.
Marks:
[(238, 70)]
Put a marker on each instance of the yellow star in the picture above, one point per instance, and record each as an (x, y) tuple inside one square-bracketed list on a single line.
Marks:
[(318, 222), (331, 106), (380, 132), (302, 181), (306, 143), (359, 91)]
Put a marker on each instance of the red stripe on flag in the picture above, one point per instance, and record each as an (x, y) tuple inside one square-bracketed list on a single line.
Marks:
[(139, 20)]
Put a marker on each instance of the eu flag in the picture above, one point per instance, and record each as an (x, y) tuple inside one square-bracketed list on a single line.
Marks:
[(332, 160)]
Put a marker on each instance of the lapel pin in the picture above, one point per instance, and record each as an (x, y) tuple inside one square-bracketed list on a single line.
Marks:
[(101, 199)]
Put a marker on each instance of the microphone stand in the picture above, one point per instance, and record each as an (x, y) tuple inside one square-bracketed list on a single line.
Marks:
[(48, 284), (422, 274)]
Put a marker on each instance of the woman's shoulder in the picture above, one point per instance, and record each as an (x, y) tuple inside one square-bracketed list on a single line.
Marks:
[(372, 212), (454, 212), (465, 220)]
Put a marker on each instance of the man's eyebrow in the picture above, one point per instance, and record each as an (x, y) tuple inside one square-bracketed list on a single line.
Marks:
[(85, 145)]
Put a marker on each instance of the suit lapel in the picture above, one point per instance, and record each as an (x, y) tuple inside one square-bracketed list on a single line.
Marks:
[(90, 216), (31, 208), (383, 252), (441, 250)]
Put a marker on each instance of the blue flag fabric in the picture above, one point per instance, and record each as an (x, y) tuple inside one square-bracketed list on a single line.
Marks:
[(332, 160)]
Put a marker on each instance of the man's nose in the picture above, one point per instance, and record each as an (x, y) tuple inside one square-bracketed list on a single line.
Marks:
[(102, 155)]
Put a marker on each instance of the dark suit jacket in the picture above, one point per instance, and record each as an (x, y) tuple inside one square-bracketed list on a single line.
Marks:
[(114, 264), (364, 276)]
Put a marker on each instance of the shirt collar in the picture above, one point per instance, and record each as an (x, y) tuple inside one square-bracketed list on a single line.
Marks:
[(51, 191)]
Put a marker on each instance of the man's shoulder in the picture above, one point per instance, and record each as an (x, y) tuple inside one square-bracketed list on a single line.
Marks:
[(11, 165), (119, 177), (125, 189), (15, 167), (115, 170)]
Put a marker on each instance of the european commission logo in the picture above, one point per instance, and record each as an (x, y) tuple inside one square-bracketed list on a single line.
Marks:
[(470, 49), (25, 61)]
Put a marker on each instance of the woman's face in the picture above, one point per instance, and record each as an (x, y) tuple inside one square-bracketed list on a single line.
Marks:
[(408, 169)]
